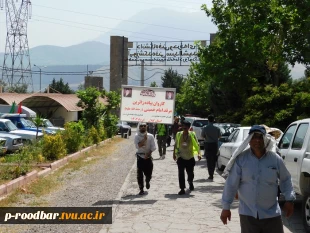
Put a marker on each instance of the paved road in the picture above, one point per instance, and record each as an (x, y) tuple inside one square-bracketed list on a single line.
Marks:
[(162, 210)]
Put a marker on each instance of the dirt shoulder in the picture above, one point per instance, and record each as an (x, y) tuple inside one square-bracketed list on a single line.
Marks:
[(92, 180)]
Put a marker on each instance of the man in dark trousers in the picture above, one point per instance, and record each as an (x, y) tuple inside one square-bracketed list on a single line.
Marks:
[(255, 176), (162, 134), (145, 145), (211, 134)]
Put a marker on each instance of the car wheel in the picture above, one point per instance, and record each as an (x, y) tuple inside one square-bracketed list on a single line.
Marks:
[(306, 212), (219, 165), (129, 133)]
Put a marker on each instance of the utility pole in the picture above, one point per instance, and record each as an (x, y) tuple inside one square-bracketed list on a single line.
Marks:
[(16, 64), (40, 68), (142, 74)]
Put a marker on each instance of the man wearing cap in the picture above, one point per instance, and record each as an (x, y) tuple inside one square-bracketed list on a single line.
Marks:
[(145, 144), (185, 147), (254, 175)]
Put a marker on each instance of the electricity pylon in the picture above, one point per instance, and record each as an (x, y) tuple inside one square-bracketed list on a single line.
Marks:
[(16, 70)]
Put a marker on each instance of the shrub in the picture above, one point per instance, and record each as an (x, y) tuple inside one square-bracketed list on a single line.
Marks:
[(110, 122), (93, 134), (73, 136), (53, 147)]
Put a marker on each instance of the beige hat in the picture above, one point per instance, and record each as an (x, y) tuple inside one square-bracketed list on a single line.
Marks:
[(276, 133)]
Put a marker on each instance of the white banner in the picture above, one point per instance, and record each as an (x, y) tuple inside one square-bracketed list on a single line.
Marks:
[(148, 104)]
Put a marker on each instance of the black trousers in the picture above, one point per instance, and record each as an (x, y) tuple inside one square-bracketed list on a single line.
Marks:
[(250, 224), (211, 156), (144, 167), (161, 142), (188, 165)]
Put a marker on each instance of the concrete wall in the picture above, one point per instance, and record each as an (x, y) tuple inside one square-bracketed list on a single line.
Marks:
[(68, 116), (118, 62), (94, 81)]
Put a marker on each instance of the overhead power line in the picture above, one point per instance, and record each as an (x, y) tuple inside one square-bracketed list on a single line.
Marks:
[(38, 20), (132, 21), (85, 24)]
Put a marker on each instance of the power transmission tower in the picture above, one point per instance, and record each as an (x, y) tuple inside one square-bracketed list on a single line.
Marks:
[(16, 73)]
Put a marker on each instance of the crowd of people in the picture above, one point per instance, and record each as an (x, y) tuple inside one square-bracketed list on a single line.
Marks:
[(253, 175)]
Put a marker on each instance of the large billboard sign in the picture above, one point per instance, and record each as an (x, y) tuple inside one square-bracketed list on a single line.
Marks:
[(164, 53), (148, 104)]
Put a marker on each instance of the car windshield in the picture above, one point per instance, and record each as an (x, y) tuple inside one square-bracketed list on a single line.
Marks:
[(10, 126), (48, 123), (31, 124), (200, 123), (25, 122)]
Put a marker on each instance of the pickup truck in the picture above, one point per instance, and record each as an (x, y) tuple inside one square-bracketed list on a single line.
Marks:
[(21, 123), (6, 126), (295, 150)]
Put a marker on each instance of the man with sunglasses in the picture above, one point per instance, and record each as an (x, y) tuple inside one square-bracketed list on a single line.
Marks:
[(145, 144)]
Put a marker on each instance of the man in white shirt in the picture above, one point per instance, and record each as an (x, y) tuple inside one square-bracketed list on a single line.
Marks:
[(145, 144)]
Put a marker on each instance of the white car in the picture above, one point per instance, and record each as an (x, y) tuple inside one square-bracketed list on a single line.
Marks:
[(230, 144), (49, 125)]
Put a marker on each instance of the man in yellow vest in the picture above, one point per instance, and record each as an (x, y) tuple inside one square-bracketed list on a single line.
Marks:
[(185, 148), (162, 134)]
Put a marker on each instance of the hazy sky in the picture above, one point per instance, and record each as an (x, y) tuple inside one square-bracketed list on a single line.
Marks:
[(54, 22)]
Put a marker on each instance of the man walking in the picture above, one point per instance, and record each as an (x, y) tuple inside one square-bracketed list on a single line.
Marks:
[(145, 145), (211, 134), (255, 174), (185, 147), (162, 134)]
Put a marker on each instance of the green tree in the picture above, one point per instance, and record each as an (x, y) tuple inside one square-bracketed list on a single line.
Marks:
[(93, 109), (38, 122), (110, 118), (251, 50), (172, 79), (59, 87), (153, 84), (22, 88)]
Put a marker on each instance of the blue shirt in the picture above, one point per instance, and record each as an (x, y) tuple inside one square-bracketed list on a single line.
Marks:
[(256, 181)]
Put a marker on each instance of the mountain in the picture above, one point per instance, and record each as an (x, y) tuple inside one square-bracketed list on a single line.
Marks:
[(92, 53), (196, 26)]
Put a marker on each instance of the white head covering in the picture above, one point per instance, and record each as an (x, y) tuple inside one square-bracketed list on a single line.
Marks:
[(269, 142)]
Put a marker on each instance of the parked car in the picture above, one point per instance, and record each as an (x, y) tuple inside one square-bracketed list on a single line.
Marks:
[(123, 127), (294, 148), (226, 130), (6, 126), (49, 125), (13, 142), (21, 123), (197, 124), (230, 144)]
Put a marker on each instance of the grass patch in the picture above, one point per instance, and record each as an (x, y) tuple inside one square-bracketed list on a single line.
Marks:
[(52, 182)]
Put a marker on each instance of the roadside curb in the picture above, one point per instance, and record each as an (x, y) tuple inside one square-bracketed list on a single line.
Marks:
[(22, 181)]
